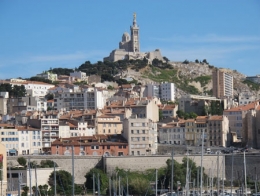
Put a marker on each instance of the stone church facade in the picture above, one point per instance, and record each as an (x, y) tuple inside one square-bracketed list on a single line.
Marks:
[(129, 47)]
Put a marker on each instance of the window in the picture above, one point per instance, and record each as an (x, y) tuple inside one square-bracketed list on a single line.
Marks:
[(143, 138), (57, 146), (22, 144), (108, 147), (132, 131), (143, 131), (137, 131), (120, 153), (120, 146), (34, 143), (132, 124)]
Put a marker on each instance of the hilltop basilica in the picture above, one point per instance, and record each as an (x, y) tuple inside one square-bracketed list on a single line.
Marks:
[(129, 47)]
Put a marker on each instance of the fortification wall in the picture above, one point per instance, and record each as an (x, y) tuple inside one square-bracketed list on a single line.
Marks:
[(83, 164), (140, 163)]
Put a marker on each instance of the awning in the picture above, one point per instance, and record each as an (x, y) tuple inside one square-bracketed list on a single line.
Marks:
[(12, 151)]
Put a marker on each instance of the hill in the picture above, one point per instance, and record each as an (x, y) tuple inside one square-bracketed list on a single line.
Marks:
[(189, 77)]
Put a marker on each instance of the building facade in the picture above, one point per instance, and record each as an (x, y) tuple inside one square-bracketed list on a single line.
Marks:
[(222, 84), (141, 134)]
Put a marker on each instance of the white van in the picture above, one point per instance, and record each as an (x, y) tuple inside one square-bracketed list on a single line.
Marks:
[(208, 151)]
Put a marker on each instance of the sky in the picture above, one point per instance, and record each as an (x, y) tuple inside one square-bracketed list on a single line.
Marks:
[(38, 35)]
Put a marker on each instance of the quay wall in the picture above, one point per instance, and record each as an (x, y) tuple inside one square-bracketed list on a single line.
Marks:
[(83, 164)]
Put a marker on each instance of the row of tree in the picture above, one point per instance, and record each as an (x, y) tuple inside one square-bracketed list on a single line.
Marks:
[(14, 91)]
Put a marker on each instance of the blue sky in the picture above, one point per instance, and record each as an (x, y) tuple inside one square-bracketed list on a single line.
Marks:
[(38, 35)]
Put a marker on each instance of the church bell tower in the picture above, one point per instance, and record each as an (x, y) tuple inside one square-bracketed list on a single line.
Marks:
[(135, 44)]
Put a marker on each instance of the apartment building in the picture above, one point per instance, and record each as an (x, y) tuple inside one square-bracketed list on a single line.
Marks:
[(30, 140), (243, 123), (141, 107), (246, 97), (97, 145), (10, 138), (81, 76), (20, 140), (91, 98), (105, 124), (152, 90), (172, 133), (168, 110), (218, 130), (141, 134), (3, 102), (167, 91), (73, 128), (48, 123), (222, 84)]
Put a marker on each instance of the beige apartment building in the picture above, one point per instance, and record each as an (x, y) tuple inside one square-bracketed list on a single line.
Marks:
[(243, 123), (141, 134), (222, 84), (105, 124)]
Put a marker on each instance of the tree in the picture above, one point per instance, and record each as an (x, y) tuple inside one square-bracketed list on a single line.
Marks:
[(63, 183), (22, 161), (49, 96), (205, 61), (48, 164), (160, 115), (25, 191), (196, 61), (102, 176)]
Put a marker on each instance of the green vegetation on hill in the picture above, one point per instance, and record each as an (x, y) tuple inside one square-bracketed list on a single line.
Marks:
[(253, 86), (204, 80)]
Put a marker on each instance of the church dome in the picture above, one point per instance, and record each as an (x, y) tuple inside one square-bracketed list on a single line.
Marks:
[(125, 37)]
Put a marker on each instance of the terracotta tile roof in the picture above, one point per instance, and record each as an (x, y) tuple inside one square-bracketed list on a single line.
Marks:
[(250, 106), (24, 128), (7, 125), (216, 118)]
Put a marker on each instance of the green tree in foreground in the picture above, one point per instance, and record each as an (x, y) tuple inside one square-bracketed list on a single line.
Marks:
[(63, 183), (22, 161)]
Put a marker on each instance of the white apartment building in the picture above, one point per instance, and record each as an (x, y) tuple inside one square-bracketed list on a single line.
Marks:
[(141, 134), (167, 91), (40, 104), (246, 97), (3, 102), (30, 141), (152, 90), (33, 88), (68, 129), (90, 98), (50, 131), (80, 75), (20, 140)]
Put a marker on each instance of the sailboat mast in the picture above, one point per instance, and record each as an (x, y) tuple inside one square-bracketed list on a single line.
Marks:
[(73, 185), (36, 185), (245, 173), (30, 177), (172, 176), (218, 174), (201, 162), (156, 179), (255, 181), (55, 189), (232, 172), (223, 166)]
